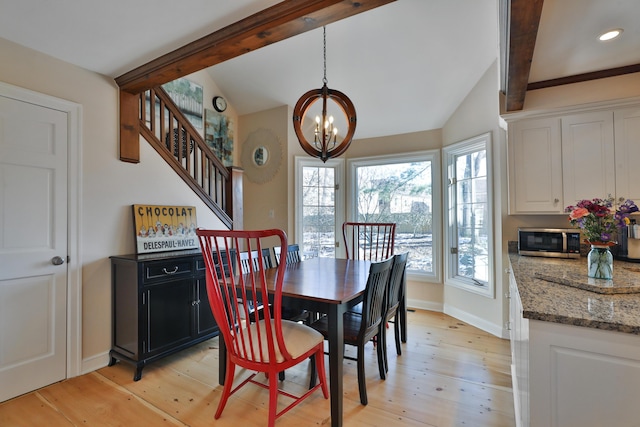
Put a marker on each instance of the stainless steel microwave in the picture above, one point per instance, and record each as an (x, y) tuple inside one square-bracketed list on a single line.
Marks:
[(549, 242)]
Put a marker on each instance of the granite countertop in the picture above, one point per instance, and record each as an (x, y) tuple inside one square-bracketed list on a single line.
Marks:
[(551, 291)]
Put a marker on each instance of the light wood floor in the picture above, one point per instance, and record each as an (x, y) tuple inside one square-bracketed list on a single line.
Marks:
[(449, 374)]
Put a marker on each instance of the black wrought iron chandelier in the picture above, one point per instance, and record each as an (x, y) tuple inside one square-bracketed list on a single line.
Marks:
[(327, 141)]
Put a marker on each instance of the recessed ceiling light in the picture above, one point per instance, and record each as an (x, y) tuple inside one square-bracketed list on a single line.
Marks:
[(610, 35)]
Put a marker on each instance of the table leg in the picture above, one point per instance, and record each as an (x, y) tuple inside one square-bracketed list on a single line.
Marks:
[(403, 310), (336, 353), (222, 360)]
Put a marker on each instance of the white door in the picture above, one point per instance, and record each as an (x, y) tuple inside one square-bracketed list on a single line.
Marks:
[(319, 207), (33, 246)]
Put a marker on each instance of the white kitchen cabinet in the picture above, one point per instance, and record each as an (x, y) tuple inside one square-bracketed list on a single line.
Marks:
[(519, 335), (627, 147), (588, 156), (556, 161), (572, 376), (535, 167), (582, 377)]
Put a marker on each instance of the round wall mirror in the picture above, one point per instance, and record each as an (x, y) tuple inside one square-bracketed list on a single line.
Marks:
[(260, 156)]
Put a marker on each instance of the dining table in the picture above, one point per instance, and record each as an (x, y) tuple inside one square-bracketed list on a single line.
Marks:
[(323, 285)]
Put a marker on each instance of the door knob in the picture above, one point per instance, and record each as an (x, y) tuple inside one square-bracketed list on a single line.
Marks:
[(56, 260)]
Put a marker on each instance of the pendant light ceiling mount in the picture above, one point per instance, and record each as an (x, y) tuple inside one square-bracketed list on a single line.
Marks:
[(326, 143)]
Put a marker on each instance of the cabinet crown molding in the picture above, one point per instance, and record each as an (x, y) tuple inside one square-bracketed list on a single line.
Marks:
[(572, 109)]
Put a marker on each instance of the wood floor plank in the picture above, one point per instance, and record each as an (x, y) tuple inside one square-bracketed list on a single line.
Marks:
[(449, 374), (38, 413), (91, 400)]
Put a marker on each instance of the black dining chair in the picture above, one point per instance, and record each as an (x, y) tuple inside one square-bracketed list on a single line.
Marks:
[(292, 256), (360, 328), (393, 299), (369, 240)]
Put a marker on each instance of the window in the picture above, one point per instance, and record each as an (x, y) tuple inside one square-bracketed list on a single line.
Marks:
[(319, 207), (469, 229), (403, 189)]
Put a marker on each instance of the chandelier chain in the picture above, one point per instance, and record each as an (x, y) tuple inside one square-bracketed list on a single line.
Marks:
[(324, 34)]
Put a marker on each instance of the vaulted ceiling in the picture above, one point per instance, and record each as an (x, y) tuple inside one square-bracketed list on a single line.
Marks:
[(555, 42), (406, 65)]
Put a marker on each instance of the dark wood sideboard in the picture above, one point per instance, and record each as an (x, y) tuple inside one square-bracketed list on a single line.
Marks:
[(160, 306)]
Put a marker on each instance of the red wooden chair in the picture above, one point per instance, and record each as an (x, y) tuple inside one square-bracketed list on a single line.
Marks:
[(269, 345), (369, 240)]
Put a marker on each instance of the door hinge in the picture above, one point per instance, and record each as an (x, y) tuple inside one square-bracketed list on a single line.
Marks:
[(453, 250), (337, 244), (337, 186)]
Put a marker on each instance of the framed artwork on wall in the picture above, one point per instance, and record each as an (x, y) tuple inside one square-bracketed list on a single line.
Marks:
[(218, 134), (188, 97), (161, 228)]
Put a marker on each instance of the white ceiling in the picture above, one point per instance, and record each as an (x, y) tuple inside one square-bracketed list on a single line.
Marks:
[(406, 65), (567, 42)]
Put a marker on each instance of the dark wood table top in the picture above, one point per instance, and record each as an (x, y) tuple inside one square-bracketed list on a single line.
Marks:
[(327, 280)]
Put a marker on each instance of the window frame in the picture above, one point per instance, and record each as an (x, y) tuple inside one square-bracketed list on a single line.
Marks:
[(338, 166), (427, 155), (450, 153)]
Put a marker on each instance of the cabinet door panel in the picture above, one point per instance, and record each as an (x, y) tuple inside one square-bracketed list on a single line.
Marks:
[(627, 137), (205, 323), (588, 165), (535, 167), (169, 314)]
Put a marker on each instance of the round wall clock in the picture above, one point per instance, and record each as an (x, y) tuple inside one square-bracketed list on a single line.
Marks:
[(219, 104), (261, 156)]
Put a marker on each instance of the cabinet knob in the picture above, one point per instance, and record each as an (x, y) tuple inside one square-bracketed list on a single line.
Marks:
[(556, 200)]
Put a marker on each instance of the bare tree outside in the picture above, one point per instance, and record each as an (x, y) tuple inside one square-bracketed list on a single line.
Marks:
[(400, 193), (318, 199), (472, 202)]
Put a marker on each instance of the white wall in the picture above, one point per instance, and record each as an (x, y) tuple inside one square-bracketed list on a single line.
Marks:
[(478, 114), (109, 186)]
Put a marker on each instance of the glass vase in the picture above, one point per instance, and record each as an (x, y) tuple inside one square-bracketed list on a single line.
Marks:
[(600, 262)]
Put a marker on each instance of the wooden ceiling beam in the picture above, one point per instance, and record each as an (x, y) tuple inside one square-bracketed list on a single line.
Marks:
[(271, 25), (593, 75), (524, 19)]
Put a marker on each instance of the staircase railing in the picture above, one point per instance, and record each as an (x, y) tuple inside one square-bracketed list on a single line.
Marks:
[(171, 134)]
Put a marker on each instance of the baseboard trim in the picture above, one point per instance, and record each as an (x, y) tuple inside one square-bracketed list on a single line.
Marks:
[(476, 321), (94, 363), (424, 305)]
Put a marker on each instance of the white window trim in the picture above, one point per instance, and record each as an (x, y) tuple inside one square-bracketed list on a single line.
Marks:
[(338, 164), (427, 155), (449, 154)]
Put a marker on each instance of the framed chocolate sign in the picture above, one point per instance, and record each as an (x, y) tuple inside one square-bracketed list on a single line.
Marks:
[(164, 228)]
